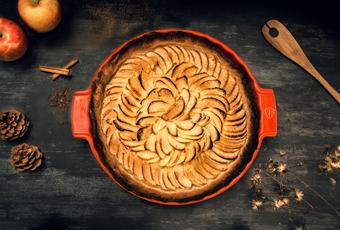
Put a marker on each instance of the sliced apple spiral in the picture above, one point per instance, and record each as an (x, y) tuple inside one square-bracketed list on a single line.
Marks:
[(178, 114)]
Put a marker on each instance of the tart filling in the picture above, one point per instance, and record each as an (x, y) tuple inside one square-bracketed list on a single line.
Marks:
[(174, 118)]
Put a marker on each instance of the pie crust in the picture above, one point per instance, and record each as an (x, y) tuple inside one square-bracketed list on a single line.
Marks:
[(173, 117)]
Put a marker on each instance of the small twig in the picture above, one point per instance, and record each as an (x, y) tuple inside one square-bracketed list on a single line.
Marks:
[(69, 65), (281, 183), (309, 204)]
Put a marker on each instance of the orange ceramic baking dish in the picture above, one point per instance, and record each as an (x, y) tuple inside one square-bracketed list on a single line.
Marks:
[(264, 100)]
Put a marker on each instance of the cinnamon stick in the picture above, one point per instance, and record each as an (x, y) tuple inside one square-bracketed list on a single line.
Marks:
[(61, 71), (69, 65)]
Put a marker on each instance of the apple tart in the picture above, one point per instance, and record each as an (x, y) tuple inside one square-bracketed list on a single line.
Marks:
[(173, 117)]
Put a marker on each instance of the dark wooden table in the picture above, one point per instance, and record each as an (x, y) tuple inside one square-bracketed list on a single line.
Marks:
[(72, 192)]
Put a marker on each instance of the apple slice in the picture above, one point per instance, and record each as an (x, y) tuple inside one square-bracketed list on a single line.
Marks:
[(211, 102), (147, 121), (174, 110), (172, 129), (166, 83), (147, 155), (150, 143), (158, 126), (164, 142), (186, 125), (176, 144), (158, 106)]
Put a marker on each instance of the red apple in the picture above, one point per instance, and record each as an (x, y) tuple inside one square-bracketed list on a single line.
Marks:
[(40, 15), (13, 40)]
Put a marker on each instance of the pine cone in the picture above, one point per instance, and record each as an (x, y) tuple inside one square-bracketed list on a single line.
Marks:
[(13, 124), (26, 157)]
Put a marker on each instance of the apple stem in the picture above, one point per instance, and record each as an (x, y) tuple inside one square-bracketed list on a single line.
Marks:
[(35, 2)]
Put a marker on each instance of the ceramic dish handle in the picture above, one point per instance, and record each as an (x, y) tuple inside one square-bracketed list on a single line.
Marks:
[(81, 125), (266, 99)]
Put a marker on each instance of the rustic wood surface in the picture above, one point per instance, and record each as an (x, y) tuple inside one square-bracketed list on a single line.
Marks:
[(72, 192)]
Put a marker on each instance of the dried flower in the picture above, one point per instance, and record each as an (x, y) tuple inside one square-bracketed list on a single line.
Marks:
[(286, 201), (256, 178), (282, 153), (280, 202), (298, 194), (282, 168), (276, 167), (331, 161), (298, 227), (256, 204), (333, 181), (259, 195), (275, 170), (271, 165), (258, 191)]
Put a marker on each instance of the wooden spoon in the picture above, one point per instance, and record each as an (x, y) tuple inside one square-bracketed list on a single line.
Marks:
[(284, 42)]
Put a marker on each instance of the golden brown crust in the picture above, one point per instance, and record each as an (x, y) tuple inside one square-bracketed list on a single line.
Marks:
[(173, 117)]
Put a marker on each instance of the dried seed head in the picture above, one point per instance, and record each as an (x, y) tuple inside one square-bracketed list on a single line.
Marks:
[(256, 179), (282, 153), (282, 168), (256, 204), (331, 161), (333, 181), (298, 227), (280, 202), (259, 195), (271, 165), (298, 194), (259, 191), (286, 201), (276, 167)]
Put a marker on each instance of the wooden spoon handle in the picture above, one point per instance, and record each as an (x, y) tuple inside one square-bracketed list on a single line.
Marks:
[(285, 43)]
